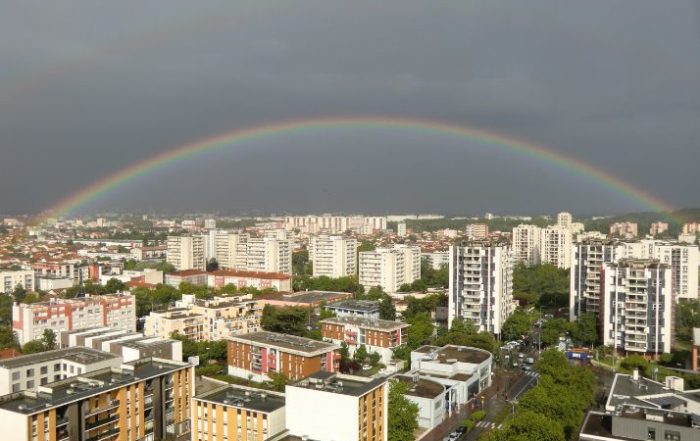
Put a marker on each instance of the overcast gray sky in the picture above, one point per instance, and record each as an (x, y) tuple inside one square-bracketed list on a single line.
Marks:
[(87, 88)]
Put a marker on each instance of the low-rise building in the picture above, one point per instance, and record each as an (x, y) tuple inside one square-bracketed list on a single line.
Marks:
[(259, 355), (330, 406), (116, 311), (130, 346), (195, 277), (27, 372), (465, 371), (639, 409), (224, 316), (305, 299), (180, 321), (252, 279), (380, 336), (146, 400), (432, 399), (368, 309), (236, 412), (9, 280)]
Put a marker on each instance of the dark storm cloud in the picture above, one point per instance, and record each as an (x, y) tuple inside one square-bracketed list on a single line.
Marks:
[(87, 88)]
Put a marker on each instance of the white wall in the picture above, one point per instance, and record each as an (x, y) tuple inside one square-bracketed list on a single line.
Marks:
[(321, 415)]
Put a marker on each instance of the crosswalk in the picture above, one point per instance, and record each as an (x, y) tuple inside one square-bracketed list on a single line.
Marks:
[(532, 374), (488, 425)]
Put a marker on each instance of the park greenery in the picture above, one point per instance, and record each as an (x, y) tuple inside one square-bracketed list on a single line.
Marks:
[(554, 409), (403, 414), (545, 286)]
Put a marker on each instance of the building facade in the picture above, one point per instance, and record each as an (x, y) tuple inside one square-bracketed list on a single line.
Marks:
[(481, 286), (243, 279), (380, 336), (329, 406), (333, 256), (389, 267), (526, 244), (11, 279), (260, 354), (555, 246), (186, 252), (588, 258), (146, 400), (636, 306), (116, 311)]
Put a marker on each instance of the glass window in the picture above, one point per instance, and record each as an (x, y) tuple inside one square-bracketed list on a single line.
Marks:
[(30, 384), (44, 370), (30, 372), (15, 387), (15, 376), (651, 433)]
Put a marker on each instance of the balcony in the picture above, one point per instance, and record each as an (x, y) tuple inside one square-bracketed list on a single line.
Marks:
[(100, 422), (113, 404), (104, 435)]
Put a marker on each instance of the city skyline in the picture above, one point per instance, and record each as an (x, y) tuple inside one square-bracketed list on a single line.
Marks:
[(82, 103)]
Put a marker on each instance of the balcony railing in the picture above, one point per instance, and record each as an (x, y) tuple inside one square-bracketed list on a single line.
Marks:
[(108, 406), (101, 422)]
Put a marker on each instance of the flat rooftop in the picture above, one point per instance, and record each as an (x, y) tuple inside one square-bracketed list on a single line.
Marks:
[(340, 384), (286, 342), (77, 388), (355, 305), (422, 387), (243, 397), (455, 354), (367, 323), (305, 297), (75, 354)]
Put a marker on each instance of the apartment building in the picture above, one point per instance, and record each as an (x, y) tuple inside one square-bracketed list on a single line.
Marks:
[(259, 354), (368, 309), (233, 412), (230, 249), (186, 252), (130, 346), (585, 281), (389, 267), (477, 231), (146, 400), (636, 306), (640, 409), (691, 228), (116, 311), (330, 406), (155, 253), (624, 230), (526, 244), (657, 228), (380, 336), (481, 285), (333, 256), (225, 316), (555, 246), (27, 372), (401, 229), (436, 259), (683, 259), (328, 224), (268, 254), (11, 279), (243, 279), (564, 220)]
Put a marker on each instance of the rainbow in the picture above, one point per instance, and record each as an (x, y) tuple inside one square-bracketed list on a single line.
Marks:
[(573, 165)]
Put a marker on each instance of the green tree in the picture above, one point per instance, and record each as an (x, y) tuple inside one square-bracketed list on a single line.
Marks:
[(529, 426), (387, 310), (552, 329), (19, 293), (212, 265), (48, 339), (403, 414), (300, 263), (115, 285), (585, 329), (285, 320), (8, 338), (33, 346), (360, 354), (517, 325), (229, 288)]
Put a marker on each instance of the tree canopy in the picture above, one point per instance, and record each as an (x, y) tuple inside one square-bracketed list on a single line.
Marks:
[(403, 414)]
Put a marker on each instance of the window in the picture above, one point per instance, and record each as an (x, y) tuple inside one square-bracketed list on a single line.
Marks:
[(15, 387), (44, 380), (57, 367), (30, 372), (651, 433), (44, 370), (672, 435), (30, 384), (15, 376)]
